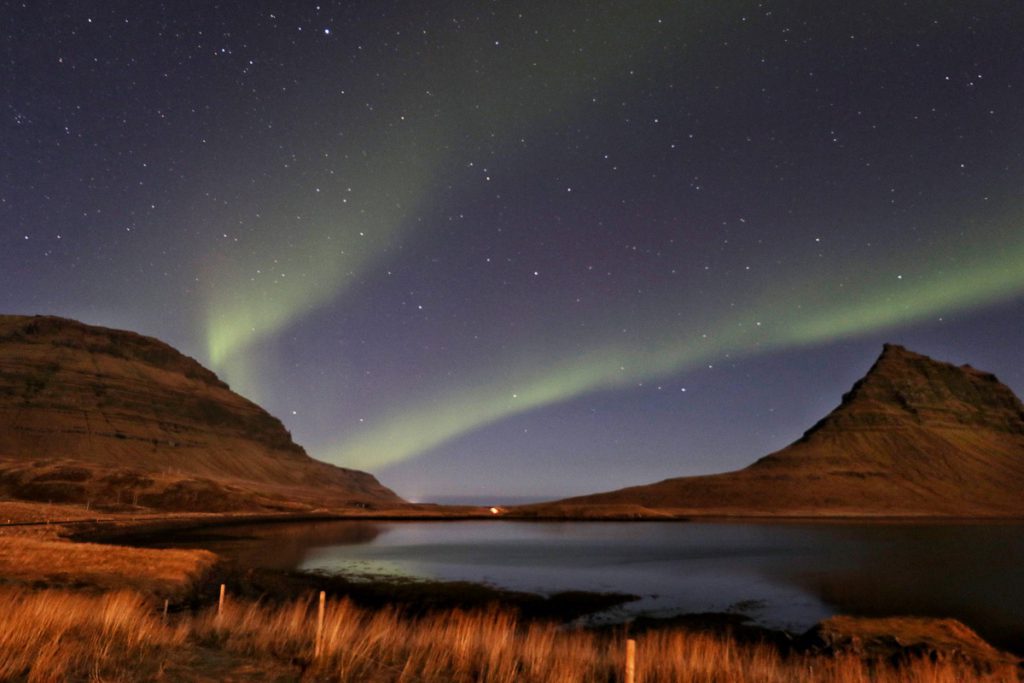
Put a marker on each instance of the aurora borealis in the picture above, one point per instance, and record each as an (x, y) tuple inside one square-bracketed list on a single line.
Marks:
[(520, 249)]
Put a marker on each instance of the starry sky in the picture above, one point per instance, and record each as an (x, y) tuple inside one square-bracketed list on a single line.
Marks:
[(526, 249)]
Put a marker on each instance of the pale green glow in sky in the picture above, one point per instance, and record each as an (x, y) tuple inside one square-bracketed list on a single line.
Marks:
[(300, 266), (989, 275), (261, 294)]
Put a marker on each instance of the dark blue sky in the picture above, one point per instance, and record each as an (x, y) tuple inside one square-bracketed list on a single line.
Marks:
[(483, 248)]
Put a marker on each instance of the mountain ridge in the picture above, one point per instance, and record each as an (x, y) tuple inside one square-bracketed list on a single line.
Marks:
[(83, 407)]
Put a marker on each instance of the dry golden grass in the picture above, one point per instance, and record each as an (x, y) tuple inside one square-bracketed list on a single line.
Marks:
[(360, 645), (25, 518), (106, 566), (59, 635)]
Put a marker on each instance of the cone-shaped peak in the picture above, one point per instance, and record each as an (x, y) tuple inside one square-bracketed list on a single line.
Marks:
[(915, 436), (894, 356), (904, 386)]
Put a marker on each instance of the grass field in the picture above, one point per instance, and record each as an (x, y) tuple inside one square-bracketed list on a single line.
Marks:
[(58, 635), (54, 562)]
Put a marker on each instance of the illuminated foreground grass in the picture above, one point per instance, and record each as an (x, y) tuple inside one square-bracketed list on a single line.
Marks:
[(55, 635)]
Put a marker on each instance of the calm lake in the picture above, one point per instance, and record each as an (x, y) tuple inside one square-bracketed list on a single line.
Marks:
[(786, 575)]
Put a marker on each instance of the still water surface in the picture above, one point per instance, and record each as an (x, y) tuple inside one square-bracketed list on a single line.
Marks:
[(784, 575)]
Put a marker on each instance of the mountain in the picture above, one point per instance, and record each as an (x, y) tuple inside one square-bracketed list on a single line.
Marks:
[(107, 417), (913, 437)]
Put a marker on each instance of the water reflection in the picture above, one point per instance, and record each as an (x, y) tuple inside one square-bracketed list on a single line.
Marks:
[(972, 572), (276, 546)]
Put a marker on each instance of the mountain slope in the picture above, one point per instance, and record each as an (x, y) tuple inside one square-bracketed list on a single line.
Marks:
[(88, 412), (913, 437)]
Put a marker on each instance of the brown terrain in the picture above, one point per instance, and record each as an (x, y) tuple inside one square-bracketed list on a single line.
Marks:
[(914, 437), (108, 418)]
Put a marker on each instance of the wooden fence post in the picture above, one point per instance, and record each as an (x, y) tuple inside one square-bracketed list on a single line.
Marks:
[(630, 661), (319, 645), (220, 603)]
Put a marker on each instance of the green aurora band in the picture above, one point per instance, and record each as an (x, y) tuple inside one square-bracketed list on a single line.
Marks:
[(984, 276), (397, 166), (259, 296)]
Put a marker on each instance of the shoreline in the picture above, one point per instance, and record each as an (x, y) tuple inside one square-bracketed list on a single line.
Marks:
[(417, 598), (125, 525), (126, 536), (415, 589)]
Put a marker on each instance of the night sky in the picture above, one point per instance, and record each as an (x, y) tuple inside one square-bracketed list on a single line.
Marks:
[(523, 248)]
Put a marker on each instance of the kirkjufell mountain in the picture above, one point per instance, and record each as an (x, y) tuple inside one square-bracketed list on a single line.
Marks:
[(913, 437), (108, 417)]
